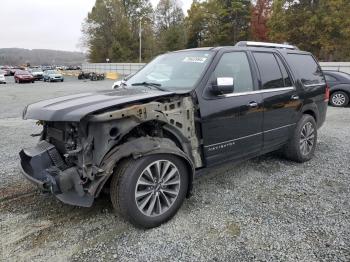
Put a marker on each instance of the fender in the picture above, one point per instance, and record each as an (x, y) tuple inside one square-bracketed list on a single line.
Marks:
[(137, 148), (311, 109)]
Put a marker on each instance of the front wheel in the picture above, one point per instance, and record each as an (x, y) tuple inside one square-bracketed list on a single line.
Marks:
[(339, 99), (301, 147), (149, 191)]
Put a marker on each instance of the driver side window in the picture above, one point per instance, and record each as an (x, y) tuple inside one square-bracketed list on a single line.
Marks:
[(235, 65)]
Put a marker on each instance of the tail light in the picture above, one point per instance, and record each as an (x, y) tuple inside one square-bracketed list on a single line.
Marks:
[(326, 95)]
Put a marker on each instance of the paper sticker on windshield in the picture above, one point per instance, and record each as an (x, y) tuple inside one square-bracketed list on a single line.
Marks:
[(194, 59)]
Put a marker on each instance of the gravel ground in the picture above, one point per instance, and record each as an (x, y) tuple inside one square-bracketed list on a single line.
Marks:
[(265, 209)]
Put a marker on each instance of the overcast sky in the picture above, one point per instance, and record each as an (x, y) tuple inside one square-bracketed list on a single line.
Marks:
[(48, 24)]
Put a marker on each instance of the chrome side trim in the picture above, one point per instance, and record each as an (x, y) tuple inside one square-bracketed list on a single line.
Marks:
[(243, 137), (260, 91), (228, 141), (273, 129), (311, 85)]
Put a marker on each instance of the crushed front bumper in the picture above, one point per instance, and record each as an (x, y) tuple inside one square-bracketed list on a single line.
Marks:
[(43, 166)]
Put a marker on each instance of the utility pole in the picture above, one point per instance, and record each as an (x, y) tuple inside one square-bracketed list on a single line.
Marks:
[(140, 36)]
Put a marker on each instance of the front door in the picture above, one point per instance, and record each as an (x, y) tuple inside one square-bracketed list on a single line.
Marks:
[(232, 123)]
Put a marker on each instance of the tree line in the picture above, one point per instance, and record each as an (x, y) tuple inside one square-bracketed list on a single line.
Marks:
[(111, 29)]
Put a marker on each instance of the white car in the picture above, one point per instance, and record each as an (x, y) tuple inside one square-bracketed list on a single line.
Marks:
[(118, 84), (37, 73), (122, 82), (2, 77)]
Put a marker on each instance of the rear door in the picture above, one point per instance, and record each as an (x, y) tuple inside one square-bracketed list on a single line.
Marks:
[(281, 102)]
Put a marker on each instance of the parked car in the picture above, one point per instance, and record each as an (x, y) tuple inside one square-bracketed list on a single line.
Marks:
[(37, 73), (339, 83), (84, 75), (2, 77), (91, 75), (7, 71), (97, 76), (22, 76), (183, 112), (121, 82), (53, 76), (13, 70)]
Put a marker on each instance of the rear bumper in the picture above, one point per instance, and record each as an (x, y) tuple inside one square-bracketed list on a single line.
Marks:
[(43, 166)]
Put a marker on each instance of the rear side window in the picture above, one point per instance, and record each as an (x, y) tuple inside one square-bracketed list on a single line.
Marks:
[(330, 78), (307, 68), (286, 77), (270, 72)]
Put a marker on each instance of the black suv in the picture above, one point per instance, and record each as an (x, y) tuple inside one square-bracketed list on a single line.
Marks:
[(182, 112)]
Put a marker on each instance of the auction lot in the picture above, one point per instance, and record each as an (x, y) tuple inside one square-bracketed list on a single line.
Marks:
[(265, 209)]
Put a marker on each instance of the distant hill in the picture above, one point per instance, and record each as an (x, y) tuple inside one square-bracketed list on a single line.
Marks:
[(18, 56)]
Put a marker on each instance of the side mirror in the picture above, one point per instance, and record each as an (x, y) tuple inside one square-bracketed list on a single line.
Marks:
[(222, 85)]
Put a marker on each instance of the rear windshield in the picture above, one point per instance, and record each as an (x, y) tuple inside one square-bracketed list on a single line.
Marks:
[(308, 70)]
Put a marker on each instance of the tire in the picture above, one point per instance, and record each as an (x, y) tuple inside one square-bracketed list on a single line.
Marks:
[(339, 99), (62, 80), (302, 149), (125, 186)]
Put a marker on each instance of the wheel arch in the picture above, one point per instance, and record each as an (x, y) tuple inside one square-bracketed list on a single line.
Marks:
[(140, 147), (311, 109), (342, 87)]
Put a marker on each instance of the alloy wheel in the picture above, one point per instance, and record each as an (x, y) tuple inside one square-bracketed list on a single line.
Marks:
[(157, 188), (338, 99), (307, 138)]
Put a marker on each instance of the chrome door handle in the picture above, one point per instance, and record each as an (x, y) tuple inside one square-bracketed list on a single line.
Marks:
[(253, 104), (295, 97)]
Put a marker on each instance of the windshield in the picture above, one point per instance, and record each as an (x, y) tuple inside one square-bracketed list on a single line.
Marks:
[(22, 73), (173, 71)]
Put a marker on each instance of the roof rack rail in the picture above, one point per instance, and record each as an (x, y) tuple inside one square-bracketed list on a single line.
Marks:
[(265, 44)]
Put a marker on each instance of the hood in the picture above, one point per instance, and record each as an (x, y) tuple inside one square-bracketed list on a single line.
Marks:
[(75, 107), (37, 73)]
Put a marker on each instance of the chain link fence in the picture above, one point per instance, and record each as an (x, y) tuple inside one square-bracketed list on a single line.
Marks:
[(122, 69)]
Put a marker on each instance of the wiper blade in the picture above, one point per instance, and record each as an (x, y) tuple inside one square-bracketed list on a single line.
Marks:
[(149, 84)]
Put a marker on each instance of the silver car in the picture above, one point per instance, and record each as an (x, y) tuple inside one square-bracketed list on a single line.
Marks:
[(2, 77)]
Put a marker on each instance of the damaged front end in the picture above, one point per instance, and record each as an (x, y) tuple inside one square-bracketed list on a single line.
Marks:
[(75, 159), (52, 166)]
